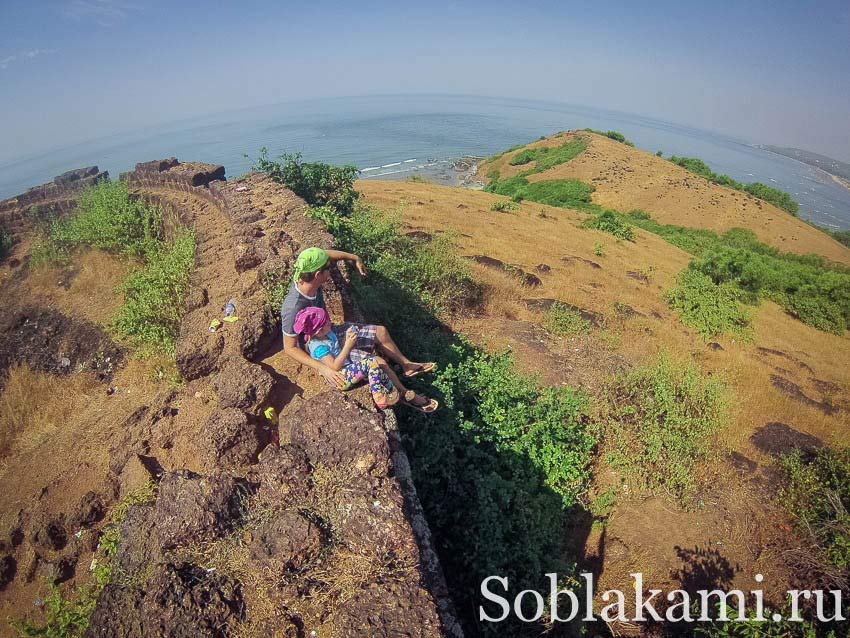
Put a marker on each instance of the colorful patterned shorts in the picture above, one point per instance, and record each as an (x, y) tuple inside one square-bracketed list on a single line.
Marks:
[(366, 368)]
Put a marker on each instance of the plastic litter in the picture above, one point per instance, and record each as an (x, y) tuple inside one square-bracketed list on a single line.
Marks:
[(241, 188), (230, 311), (271, 414), (78, 534), (215, 324)]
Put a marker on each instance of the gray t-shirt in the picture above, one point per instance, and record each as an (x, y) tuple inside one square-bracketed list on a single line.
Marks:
[(294, 302)]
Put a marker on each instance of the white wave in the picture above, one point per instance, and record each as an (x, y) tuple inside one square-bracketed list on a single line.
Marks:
[(408, 161), (391, 165), (371, 168), (772, 180)]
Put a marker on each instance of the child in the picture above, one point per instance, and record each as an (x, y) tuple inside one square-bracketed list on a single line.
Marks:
[(323, 345)]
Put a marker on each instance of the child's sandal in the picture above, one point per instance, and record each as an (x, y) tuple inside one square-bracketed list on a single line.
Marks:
[(383, 400)]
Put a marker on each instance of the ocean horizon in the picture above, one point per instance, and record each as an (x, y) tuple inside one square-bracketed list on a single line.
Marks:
[(391, 137)]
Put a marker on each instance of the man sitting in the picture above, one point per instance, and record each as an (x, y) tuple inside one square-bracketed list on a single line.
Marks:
[(312, 270)]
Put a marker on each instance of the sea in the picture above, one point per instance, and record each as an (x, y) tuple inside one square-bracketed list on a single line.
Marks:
[(392, 137)]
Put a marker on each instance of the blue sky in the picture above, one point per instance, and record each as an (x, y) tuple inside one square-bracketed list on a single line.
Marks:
[(774, 72)]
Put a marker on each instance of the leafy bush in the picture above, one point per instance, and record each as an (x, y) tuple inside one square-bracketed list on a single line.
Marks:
[(809, 287), (107, 217), (417, 179), (806, 286), (566, 193), (548, 156), (710, 308), (818, 496), (6, 243), (318, 183), (609, 221), (841, 236), (598, 249), (614, 135), (752, 628), (562, 320), (661, 418), (153, 295), (504, 207), (778, 198)]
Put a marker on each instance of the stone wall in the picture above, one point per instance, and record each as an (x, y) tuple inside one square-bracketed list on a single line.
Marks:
[(58, 196), (380, 504)]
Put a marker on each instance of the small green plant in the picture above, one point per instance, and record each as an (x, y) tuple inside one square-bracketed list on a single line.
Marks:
[(661, 420), (818, 497), (154, 294), (710, 308), (562, 320), (504, 207), (108, 217), (417, 179), (659, 154), (565, 193), (614, 135), (598, 249), (69, 617), (318, 183), (6, 243), (609, 221), (548, 156)]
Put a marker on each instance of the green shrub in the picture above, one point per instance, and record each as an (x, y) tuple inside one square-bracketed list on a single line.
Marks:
[(417, 179), (818, 497), (614, 135), (566, 193), (661, 419), (692, 240), (752, 628), (318, 183), (548, 156), (841, 236), (598, 249), (659, 154), (769, 194), (563, 320), (609, 221), (107, 217), (815, 292), (504, 207), (710, 308), (154, 294), (778, 198), (6, 243)]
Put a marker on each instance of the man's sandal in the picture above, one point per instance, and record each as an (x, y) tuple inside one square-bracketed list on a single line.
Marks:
[(383, 400), (419, 402), (421, 368)]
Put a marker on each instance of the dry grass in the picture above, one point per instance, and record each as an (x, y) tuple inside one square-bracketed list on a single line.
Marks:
[(527, 239), (87, 291), (320, 589), (34, 405)]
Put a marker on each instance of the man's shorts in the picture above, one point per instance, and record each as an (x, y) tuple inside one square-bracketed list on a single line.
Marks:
[(366, 340)]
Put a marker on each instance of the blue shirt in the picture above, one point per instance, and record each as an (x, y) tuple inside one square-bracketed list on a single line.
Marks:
[(319, 347)]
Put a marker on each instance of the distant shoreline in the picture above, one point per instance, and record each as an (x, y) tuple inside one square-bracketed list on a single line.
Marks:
[(840, 180)]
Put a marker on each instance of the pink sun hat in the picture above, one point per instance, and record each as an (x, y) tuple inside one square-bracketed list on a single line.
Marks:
[(310, 320)]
